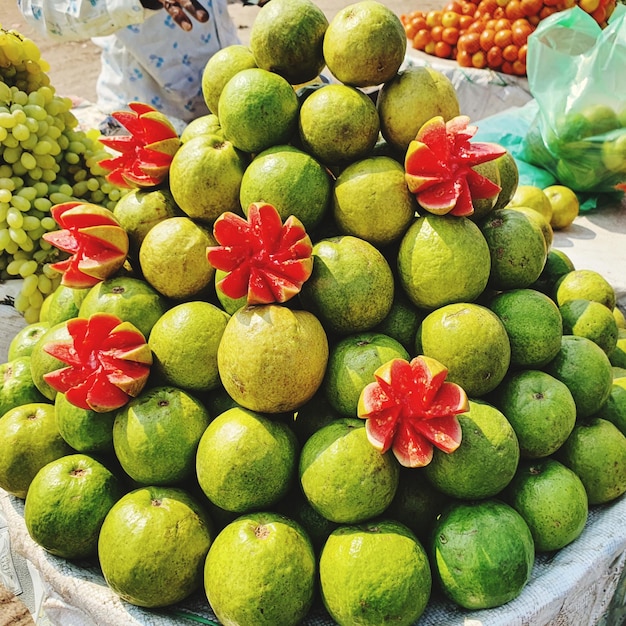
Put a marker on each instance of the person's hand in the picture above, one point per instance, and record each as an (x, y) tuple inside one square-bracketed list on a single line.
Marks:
[(179, 9)]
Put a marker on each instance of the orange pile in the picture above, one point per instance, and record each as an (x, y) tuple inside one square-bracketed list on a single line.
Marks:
[(491, 34)]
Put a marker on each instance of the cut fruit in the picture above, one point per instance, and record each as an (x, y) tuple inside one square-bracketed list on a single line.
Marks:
[(145, 153), (108, 362), (265, 260), (410, 407), (438, 166), (91, 234)]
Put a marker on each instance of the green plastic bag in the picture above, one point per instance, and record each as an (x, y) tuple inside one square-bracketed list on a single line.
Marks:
[(577, 75)]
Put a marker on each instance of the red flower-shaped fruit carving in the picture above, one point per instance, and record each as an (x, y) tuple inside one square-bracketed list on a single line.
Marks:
[(438, 166), (146, 153), (410, 407), (265, 260), (91, 234), (108, 362)]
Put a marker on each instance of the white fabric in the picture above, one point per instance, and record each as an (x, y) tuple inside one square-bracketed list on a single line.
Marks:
[(571, 587), (146, 56)]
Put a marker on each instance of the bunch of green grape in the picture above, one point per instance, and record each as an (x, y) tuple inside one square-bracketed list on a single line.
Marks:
[(46, 159)]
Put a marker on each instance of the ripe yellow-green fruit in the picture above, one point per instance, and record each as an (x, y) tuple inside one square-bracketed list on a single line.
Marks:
[(156, 435), (219, 69), (443, 260), (246, 461), (287, 38), (66, 504), (411, 98), (140, 209), (204, 125), (364, 44), (617, 356), (351, 287), (482, 553), (173, 258), (534, 198), (470, 341), (540, 220), (24, 339), (370, 200), (344, 478), (137, 564), (585, 284), (596, 452), (85, 430), (552, 500), (64, 304), (486, 460), (374, 573), (565, 206), (257, 353), (205, 177), (540, 408), (351, 366), (590, 319), (291, 180), (586, 370), (41, 362), (338, 124), (261, 551), (30, 439), (257, 109), (533, 323), (16, 384), (184, 342), (517, 249)]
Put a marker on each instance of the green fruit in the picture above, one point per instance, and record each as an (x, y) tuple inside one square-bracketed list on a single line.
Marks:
[(291, 180), (287, 38), (443, 260), (517, 248), (509, 179), (246, 461), (540, 408), (24, 339), (64, 304), (41, 362), (184, 343), (257, 109), (364, 44), (257, 353), (66, 504), (614, 409), (83, 429), (219, 69), (351, 366), (482, 553), (261, 571), (156, 435), (486, 460), (343, 477), (375, 573), (533, 323), (30, 439), (16, 384), (351, 287), (552, 500), (152, 546), (586, 370), (596, 452), (587, 318)]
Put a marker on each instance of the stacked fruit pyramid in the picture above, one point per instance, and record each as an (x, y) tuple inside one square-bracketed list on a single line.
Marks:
[(491, 33), (320, 362)]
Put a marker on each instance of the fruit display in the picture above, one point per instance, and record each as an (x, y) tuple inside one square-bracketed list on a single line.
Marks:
[(362, 385), (46, 160), (490, 34)]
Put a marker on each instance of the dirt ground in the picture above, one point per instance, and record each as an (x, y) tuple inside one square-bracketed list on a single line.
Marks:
[(74, 66)]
